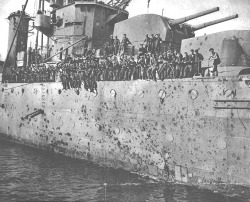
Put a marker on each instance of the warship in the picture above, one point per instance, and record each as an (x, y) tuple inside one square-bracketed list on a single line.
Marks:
[(189, 130)]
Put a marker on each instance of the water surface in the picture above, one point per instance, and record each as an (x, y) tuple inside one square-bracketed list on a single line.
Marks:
[(27, 174)]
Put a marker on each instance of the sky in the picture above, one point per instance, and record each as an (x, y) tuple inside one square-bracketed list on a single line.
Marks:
[(171, 8)]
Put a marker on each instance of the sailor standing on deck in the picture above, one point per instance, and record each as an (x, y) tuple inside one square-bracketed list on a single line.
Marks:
[(147, 43), (152, 43), (158, 41), (197, 66), (111, 45), (116, 45), (186, 65), (142, 50), (215, 58), (124, 44), (192, 61)]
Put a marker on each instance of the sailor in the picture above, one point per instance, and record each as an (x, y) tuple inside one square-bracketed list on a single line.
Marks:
[(160, 67), (174, 54), (131, 69), (178, 65), (124, 44), (78, 80), (197, 65), (117, 69), (164, 67), (13, 74), (111, 44), (215, 59), (85, 48), (141, 65), (142, 50), (186, 66), (111, 71), (68, 79), (168, 56), (123, 64), (106, 50), (106, 69), (192, 62), (116, 45), (89, 53), (158, 42), (153, 68), (64, 80), (147, 43), (152, 43)]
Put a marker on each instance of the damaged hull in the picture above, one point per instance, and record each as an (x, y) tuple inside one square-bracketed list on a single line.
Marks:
[(191, 130)]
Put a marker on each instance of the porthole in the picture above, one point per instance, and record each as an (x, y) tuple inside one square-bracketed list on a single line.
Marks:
[(222, 144), (170, 138), (193, 94)]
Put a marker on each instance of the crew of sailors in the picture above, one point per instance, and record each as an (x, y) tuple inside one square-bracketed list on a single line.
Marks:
[(149, 64), (116, 47)]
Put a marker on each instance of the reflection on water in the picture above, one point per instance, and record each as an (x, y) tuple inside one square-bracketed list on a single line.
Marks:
[(27, 174)]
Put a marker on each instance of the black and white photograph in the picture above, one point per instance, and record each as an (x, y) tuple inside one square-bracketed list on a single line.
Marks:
[(125, 100)]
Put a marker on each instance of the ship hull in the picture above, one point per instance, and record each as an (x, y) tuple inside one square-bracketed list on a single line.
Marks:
[(194, 131)]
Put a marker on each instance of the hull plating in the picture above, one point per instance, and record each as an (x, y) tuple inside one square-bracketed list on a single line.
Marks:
[(193, 131)]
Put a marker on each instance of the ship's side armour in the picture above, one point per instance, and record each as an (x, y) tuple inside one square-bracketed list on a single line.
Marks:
[(190, 130)]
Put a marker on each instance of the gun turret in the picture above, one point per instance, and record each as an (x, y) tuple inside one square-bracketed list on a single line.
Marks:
[(203, 25), (185, 19)]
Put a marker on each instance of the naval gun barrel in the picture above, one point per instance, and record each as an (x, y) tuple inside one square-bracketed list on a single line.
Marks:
[(185, 19), (203, 25)]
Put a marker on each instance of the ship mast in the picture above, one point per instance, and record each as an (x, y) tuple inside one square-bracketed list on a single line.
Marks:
[(19, 23), (42, 5), (37, 34)]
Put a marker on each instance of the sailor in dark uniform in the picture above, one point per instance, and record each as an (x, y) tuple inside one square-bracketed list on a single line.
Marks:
[(116, 45), (151, 72), (186, 66), (197, 66), (111, 45), (178, 65), (64, 80), (152, 44), (147, 43), (163, 68), (85, 47), (124, 44), (192, 62), (158, 42), (132, 70), (142, 50)]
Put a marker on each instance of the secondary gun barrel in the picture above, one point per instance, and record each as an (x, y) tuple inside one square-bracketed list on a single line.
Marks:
[(185, 19), (203, 25)]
